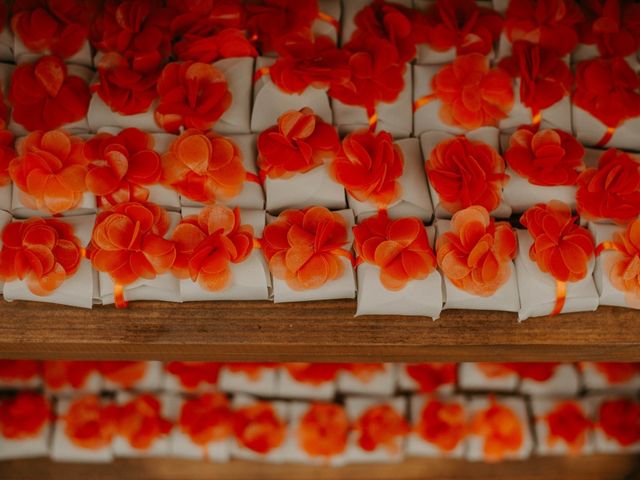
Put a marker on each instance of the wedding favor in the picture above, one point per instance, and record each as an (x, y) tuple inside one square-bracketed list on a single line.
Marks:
[(131, 375), (611, 376), (548, 378), (614, 423), (260, 379), (427, 377), (196, 377), (487, 376), (562, 426), (367, 379), (64, 377), (308, 380), (26, 426)]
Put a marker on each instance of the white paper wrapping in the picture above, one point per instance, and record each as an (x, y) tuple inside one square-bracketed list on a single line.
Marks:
[(351, 9), (181, 445), (32, 447), (251, 197), (78, 290), (414, 199), (288, 387), (77, 127), (356, 407), (64, 450), (418, 297), (594, 379), (471, 377), (407, 384), (541, 407), (564, 381), (609, 295), (381, 383), (171, 383), (5, 219), (315, 187), (6, 71), (250, 278), (504, 299), (294, 453), (475, 443), (278, 454), (164, 287), (160, 447), (6, 194), (150, 382), (92, 384), (322, 27), (520, 195), (429, 141), (342, 287), (30, 383), (589, 130), (538, 289), (22, 54), (6, 43), (269, 102), (418, 446), (238, 382), (239, 74), (585, 51), (602, 442), (101, 115)]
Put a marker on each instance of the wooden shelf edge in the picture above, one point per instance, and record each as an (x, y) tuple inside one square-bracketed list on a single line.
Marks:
[(314, 331)]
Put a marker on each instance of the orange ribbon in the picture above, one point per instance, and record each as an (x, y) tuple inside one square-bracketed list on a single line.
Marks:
[(261, 72), (325, 17), (422, 101), (252, 177), (257, 243), (606, 138), (607, 246), (373, 121), (118, 296), (561, 296), (341, 252), (537, 119)]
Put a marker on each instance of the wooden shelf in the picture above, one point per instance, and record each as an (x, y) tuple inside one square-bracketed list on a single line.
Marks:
[(314, 331), (597, 467)]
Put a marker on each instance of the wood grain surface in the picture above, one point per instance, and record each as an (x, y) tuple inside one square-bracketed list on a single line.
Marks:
[(313, 331)]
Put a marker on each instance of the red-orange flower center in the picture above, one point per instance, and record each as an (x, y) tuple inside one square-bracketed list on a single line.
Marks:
[(90, 424), (258, 427), (313, 373), (501, 430), (206, 418), (141, 423), (568, 423), (619, 419), (24, 416), (442, 424), (194, 374), (125, 374), (323, 430), (431, 376), (380, 427)]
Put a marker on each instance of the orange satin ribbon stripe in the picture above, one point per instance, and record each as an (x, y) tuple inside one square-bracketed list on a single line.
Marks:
[(118, 296), (606, 138), (421, 102), (83, 252), (373, 121), (341, 252), (561, 296), (537, 119), (607, 246), (252, 177), (257, 243), (261, 72), (325, 17)]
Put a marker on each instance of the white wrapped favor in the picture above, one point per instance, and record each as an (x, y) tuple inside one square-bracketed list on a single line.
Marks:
[(269, 101), (538, 292), (377, 383), (590, 131), (417, 445), (261, 381), (546, 444), (77, 291), (342, 287), (29, 446), (439, 378), (414, 198), (417, 297), (289, 387), (604, 438), (239, 74), (151, 381), (486, 376), (164, 287), (250, 278), (624, 377), (100, 115), (430, 140), (564, 381)]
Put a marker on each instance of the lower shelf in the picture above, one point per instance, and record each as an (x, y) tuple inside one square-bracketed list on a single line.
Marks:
[(596, 467)]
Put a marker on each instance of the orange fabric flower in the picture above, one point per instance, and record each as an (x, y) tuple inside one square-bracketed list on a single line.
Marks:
[(323, 430), (207, 243), (369, 166), (44, 96), (472, 94), (547, 157), (252, 370), (463, 25), (549, 23), (89, 424), (50, 170), (59, 27), (303, 247), (617, 372), (624, 272), (466, 173), (619, 419), (192, 95), (432, 376), (537, 371), (365, 372), (300, 142), (7, 153), (399, 247), (258, 427), (194, 374), (140, 421), (18, 370), (124, 374), (24, 416), (313, 373), (128, 242), (204, 167), (560, 247), (206, 418), (608, 90), (612, 25), (568, 423), (121, 166), (127, 82), (476, 254), (41, 252), (545, 78), (501, 430), (380, 426), (58, 374), (442, 424), (612, 190)]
